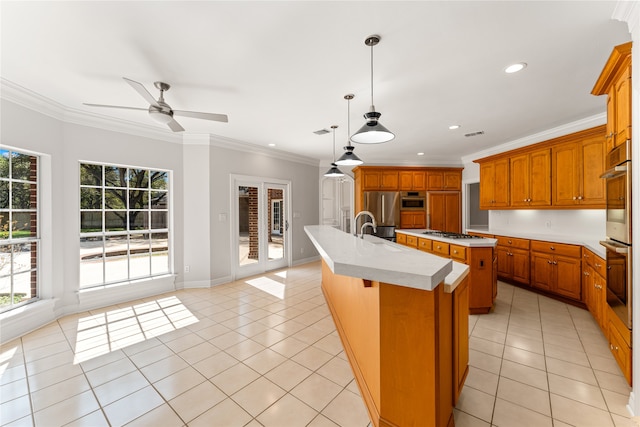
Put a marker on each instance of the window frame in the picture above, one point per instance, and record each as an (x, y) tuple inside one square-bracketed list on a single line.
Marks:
[(127, 232), (34, 240)]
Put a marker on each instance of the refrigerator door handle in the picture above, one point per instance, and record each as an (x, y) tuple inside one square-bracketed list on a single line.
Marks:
[(383, 221)]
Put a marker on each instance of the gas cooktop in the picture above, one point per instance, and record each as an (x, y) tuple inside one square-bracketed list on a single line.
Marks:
[(449, 235)]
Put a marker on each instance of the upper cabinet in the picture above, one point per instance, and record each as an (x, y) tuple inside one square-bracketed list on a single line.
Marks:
[(577, 167), (562, 173), (530, 183), (494, 184), (615, 82), (396, 178)]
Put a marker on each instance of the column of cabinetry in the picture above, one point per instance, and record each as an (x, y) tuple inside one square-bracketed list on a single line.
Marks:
[(530, 179), (615, 82), (513, 259), (556, 268)]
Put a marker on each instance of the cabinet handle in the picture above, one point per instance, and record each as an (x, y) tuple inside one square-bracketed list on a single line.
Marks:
[(597, 265), (555, 262), (579, 197), (509, 241), (586, 273), (455, 251), (614, 347), (549, 262), (575, 198), (439, 247)]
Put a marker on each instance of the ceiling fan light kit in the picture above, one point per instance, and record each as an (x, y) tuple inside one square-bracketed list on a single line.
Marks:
[(349, 158), (372, 132), (160, 111)]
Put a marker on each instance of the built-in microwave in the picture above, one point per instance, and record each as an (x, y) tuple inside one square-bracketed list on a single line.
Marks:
[(413, 200)]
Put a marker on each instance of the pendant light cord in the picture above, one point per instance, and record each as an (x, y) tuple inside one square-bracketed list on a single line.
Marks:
[(349, 122), (372, 74)]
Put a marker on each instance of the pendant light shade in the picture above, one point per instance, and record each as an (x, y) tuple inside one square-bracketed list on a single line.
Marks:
[(372, 132), (334, 172), (349, 158)]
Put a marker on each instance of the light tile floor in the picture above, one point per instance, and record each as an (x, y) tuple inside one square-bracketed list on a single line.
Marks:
[(263, 351)]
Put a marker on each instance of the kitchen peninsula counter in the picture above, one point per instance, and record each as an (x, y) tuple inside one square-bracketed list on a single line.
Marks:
[(402, 317)]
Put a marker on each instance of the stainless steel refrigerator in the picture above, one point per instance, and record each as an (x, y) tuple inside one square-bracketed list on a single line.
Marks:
[(385, 207)]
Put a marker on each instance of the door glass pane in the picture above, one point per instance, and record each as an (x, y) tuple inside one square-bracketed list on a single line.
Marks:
[(248, 242), (276, 228)]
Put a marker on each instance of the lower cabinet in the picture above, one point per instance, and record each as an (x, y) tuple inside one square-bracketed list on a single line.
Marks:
[(594, 286), (513, 259), (557, 268), (460, 337), (413, 219), (620, 343)]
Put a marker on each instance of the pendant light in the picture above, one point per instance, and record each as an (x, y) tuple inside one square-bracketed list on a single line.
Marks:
[(334, 172), (349, 158), (372, 132)]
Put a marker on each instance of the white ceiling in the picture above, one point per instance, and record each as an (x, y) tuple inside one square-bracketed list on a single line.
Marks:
[(280, 70)]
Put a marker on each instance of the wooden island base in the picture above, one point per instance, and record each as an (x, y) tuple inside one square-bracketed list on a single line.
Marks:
[(408, 348)]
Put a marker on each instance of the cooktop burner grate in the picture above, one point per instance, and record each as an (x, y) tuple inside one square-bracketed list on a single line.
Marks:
[(449, 235)]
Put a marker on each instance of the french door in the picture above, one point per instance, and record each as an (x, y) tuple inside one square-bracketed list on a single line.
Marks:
[(260, 233)]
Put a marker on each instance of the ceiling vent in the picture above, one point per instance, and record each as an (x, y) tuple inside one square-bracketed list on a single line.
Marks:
[(321, 132), (480, 132)]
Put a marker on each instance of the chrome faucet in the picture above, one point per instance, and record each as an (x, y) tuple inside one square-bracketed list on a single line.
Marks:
[(372, 224)]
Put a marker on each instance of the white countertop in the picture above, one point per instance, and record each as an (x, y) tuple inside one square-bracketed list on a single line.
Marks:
[(380, 260), (591, 244), (419, 232)]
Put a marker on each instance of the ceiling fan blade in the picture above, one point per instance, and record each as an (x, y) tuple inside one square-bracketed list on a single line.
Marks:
[(205, 116), (175, 126), (139, 87), (115, 106)]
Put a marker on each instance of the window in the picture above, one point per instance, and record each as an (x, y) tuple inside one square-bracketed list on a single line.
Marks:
[(18, 229), (124, 224)]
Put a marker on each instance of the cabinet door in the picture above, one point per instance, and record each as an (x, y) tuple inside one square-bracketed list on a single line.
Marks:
[(371, 180), (453, 216), (520, 180), (487, 175), (501, 183), (588, 289), (419, 181), (593, 164), (389, 180), (565, 177), (436, 211), (435, 180), (419, 220), (453, 180), (567, 280), (541, 269), (521, 265), (623, 107), (405, 179), (505, 267), (611, 120), (406, 219), (540, 178)]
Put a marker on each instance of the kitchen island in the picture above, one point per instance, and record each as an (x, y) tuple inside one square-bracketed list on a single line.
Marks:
[(402, 317), (477, 252)]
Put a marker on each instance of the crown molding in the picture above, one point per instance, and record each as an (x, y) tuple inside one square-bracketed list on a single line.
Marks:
[(578, 125), (629, 12), (26, 98)]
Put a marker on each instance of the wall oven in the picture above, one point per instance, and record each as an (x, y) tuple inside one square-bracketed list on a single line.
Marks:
[(618, 244), (413, 200)]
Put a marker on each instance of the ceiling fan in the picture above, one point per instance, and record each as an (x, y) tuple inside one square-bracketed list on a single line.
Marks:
[(160, 111)]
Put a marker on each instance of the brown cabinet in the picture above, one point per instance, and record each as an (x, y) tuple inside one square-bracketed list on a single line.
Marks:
[(561, 173), (577, 167), (513, 259), (530, 179), (494, 184), (556, 268), (594, 286), (615, 82), (619, 342), (460, 336), (482, 278), (443, 211), (376, 179), (412, 180), (413, 219), (444, 180)]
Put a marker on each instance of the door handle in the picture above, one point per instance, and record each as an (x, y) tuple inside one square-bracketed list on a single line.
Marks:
[(286, 224)]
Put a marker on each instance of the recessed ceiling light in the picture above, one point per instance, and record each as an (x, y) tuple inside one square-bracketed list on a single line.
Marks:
[(420, 154), (514, 68), (453, 127), (272, 145)]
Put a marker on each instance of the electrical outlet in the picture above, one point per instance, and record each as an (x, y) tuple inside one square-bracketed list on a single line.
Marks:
[(187, 268)]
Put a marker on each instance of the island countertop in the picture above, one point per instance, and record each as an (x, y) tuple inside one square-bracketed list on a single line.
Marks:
[(379, 260)]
